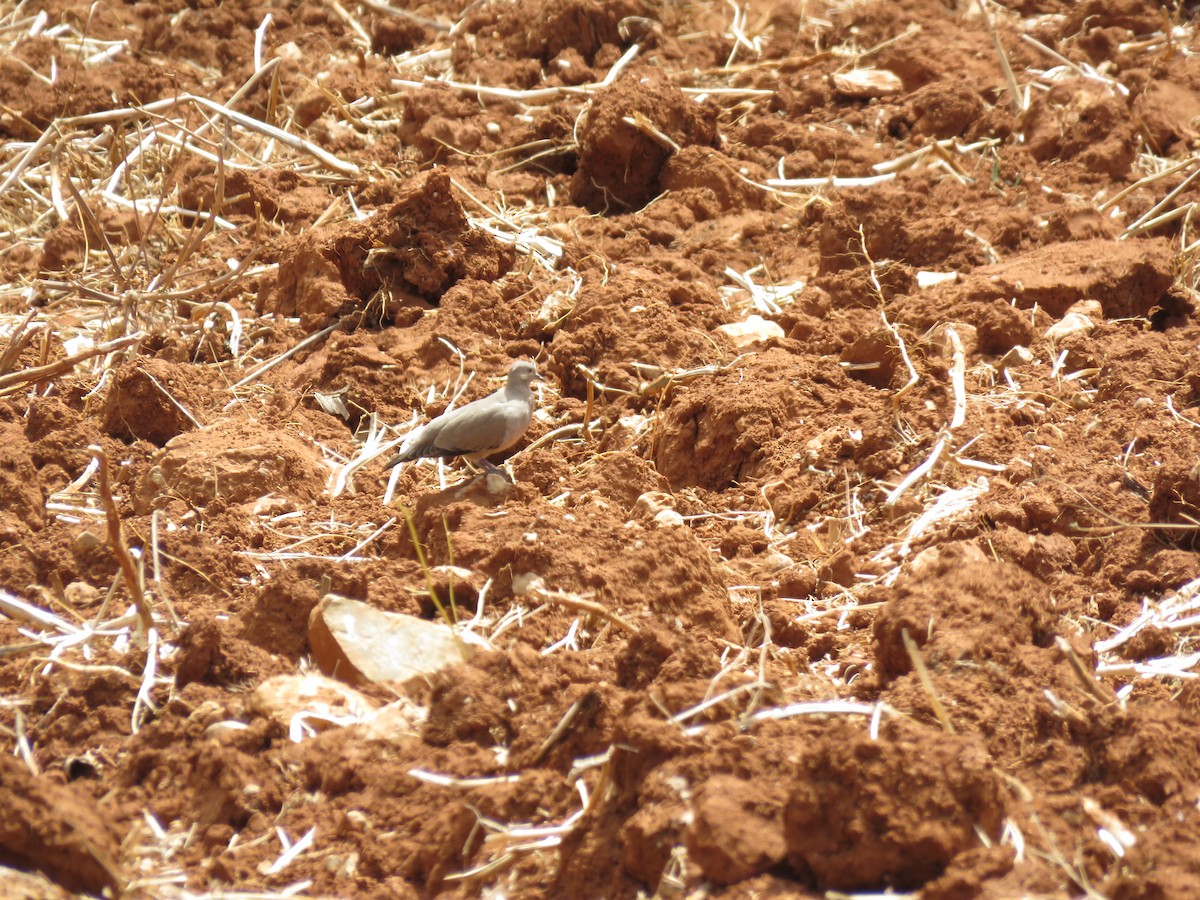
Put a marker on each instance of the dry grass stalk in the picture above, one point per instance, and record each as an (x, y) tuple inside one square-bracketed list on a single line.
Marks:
[(579, 604), (1161, 173), (958, 370), (1019, 102), (585, 705), (18, 340), (531, 97), (918, 664), (545, 251), (116, 542), (1082, 70), (505, 843), (643, 124), (1092, 686), (17, 380), (664, 380), (940, 148), (1178, 615), (768, 299), (439, 780), (808, 708), (266, 367)]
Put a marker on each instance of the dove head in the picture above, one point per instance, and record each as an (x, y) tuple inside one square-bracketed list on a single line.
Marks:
[(520, 376)]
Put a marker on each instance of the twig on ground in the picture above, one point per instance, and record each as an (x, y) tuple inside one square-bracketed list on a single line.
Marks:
[(116, 542), (918, 664)]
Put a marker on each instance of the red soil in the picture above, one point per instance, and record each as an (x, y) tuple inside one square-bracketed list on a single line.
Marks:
[(976, 751)]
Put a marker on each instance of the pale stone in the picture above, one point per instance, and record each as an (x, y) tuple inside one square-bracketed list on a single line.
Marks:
[(864, 84), (284, 697), (668, 518), (653, 502), (1016, 356), (355, 642), (219, 730), (553, 312), (751, 331), (927, 279), (1090, 308), (776, 561), (18, 885), (1071, 323)]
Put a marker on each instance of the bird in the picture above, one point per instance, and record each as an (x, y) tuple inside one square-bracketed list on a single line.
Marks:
[(479, 429)]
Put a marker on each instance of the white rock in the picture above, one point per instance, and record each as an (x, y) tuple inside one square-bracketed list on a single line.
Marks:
[(554, 311), (1090, 308), (926, 279), (668, 518), (284, 697), (224, 728), (653, 502), (528, 583), (775, 561), (864, 84), (355, 642), (399, 720), (1016, 356), (754, 329), (1071, 323)]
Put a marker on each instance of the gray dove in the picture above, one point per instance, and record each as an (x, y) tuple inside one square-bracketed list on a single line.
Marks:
[(480, 428)]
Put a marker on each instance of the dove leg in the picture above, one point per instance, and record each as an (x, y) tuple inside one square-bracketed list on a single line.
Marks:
[(490, 467)]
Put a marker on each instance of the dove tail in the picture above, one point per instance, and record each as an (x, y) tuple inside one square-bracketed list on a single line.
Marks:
[(420, 451)]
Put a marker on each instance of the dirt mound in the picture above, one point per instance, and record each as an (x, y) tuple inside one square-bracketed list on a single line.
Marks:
[(866, 814), (414, 251)]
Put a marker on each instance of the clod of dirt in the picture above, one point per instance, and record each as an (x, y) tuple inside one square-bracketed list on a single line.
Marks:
[(1168, 114), (19, 484), (980, 610), (150, 400), (67, 245), (30, 886), (631, 129), (227, 785), (210, 653), (1129, 278), (874, 359), (945, 109), (1085, 121), (722, 429), (236, 464), (708, 172), (736, 831), (468, 704), (414, 251), (391, 37), (669, 570), (867, 815), (57, 830), (1175, 500), (1153, 749), (614, 324), (278, 195), (626, 478)]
